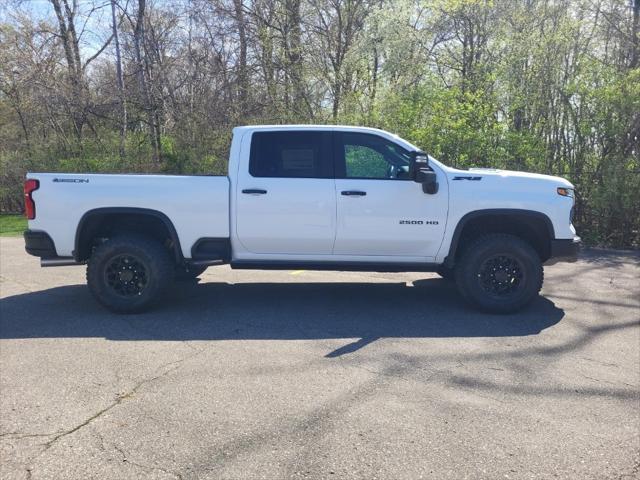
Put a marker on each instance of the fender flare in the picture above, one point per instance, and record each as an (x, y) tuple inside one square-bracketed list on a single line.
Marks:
[(127, 211), (457, 233)]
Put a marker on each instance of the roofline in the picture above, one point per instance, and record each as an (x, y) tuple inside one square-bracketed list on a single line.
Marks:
[(308, 127), (334, 128), (353, 128)]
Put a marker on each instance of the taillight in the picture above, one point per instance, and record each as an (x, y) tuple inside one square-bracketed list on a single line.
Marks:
[(29, 205)]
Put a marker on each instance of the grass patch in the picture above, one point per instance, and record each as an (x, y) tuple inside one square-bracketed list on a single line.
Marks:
[(12, 225)]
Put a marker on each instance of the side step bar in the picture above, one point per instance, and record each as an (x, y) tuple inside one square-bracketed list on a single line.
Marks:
[(70, 261), (59, 262), (207, 263)]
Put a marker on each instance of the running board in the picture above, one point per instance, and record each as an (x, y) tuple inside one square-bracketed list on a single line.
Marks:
[(70, 261), (334, 266), (58, 262), (206, 263)]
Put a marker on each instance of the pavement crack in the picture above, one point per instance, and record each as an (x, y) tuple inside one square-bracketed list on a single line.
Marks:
[(20, 435), (146, 468), (121, 397), (600, 362), (599, 380), (51, 442)]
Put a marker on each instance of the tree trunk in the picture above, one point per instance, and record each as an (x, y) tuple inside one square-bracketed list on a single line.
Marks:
[(635, 35), (120, 80), (374, 84), (243, 78), (138, 43), (294, 55), (66, 26)]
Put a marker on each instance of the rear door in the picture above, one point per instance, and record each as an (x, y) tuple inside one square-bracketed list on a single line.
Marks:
[(381, 211), (286, 200)]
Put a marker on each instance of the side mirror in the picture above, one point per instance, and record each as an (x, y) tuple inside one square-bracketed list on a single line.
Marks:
[(429, 181), (420, 173), (419, 160)]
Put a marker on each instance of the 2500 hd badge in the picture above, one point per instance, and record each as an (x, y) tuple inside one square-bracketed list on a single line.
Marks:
[(418, 222)]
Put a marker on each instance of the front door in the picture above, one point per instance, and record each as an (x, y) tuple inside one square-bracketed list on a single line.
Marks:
[(286, 200), (380, 210)]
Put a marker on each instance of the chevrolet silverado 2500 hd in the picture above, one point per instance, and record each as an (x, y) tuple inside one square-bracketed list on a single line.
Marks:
[(306, 197)]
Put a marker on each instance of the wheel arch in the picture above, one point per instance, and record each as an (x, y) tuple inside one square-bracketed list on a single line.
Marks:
[(530, 225), (108, 220)]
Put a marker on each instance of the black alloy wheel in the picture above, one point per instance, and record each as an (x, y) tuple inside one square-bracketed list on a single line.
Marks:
[(126, 275), (501, 275)]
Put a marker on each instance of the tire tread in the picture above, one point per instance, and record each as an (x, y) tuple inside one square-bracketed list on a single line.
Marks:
[(162, 264), (482, 242)]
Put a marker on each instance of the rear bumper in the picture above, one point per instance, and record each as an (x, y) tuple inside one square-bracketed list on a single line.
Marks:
[(39, 244), (564, 250)]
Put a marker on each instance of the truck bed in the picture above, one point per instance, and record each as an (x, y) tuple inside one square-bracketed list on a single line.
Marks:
[(198, 206)]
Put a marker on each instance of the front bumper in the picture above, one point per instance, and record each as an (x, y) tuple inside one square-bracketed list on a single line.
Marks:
[(564, 250), (39, 244)]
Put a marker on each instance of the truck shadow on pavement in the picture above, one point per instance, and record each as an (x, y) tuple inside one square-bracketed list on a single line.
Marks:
[(281, 311)]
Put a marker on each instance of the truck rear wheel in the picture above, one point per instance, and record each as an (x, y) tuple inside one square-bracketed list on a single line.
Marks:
[(128, 273), (499, 273)]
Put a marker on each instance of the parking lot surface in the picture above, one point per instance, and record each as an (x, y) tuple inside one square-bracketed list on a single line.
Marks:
[(251, 374)]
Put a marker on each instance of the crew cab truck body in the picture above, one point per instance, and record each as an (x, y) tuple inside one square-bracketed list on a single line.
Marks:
[(313, 197)]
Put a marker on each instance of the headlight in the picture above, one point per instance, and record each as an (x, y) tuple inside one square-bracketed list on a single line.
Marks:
[(566, 192)]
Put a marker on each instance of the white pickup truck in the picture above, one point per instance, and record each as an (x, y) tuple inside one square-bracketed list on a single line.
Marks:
[(306, 197)]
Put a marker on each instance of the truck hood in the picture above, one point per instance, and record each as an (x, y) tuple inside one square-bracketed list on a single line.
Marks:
[(507, 174)]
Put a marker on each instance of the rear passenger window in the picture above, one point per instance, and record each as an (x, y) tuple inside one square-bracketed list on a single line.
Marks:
[(291, 154)]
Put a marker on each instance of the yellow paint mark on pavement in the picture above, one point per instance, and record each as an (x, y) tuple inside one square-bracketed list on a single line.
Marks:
[(297, 272)]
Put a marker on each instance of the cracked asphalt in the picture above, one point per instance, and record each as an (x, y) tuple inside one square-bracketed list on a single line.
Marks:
[(251, 374)]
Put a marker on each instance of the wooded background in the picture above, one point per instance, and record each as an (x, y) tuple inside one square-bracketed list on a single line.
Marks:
[(550, 86)]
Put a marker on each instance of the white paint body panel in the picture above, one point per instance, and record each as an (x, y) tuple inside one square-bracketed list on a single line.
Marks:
[(297, 215), (197, 206), (303, 219), (502, 189), (370, 224)]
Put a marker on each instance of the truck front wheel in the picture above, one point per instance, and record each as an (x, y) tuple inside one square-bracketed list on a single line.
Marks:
[(499, 273), (128, 273)]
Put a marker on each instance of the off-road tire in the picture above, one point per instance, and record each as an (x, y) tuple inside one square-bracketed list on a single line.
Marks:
[(187, 273), (478, 267), (154, 270)]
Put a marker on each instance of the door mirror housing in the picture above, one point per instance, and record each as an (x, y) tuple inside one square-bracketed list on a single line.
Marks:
[(429, 181), (419, 160), (421, 173)]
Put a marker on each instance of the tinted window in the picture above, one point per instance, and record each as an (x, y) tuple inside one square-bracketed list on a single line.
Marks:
[(362, 155), (291, 154)]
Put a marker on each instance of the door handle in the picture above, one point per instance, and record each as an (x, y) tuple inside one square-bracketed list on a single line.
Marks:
[(354, 193), (255, 191)]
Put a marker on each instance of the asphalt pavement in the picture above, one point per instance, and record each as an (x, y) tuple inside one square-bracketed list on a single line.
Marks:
[(274, 375)]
